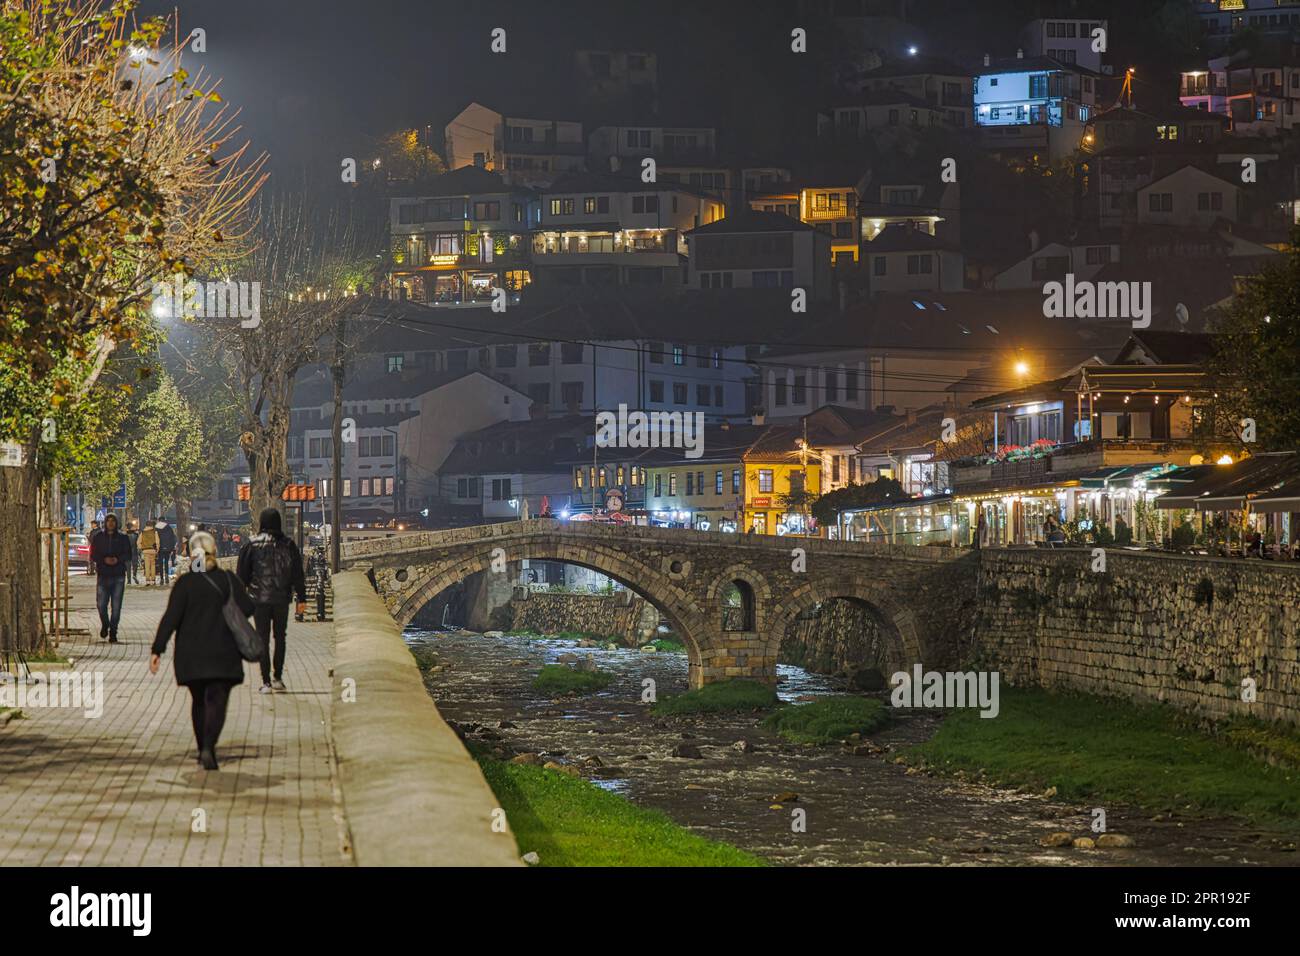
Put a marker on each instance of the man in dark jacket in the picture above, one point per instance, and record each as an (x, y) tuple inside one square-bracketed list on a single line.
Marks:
[(270, 566), (166, 550), (110, 551)]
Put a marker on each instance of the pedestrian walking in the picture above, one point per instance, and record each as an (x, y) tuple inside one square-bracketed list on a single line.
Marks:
[(206, 658), (166, 550), (148, 544), (90, 541), (133, 565), (109, 553), (270, 565)]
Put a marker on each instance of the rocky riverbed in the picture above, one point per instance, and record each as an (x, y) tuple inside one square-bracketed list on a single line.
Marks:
[(734, 781)]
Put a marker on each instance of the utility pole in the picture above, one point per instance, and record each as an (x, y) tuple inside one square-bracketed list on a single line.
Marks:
[(336, 482)]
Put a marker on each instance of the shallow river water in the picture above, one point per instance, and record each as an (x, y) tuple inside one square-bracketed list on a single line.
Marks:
[(858, 809)]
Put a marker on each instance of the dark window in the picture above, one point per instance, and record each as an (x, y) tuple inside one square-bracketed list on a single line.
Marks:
[(506, 356), (656, 391), (656, 350), (539, 353), (679, 393), (571, 353)]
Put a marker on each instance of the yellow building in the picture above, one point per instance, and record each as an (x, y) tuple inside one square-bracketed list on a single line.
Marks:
[(749, 477), (771, 481)]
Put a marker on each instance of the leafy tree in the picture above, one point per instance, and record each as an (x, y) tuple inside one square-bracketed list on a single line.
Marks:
[(115, 172), (1256, 364), (827, 508), (404, 159)]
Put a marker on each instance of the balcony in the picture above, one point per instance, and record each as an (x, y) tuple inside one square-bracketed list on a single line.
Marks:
[(1068, 461), (841, 211)]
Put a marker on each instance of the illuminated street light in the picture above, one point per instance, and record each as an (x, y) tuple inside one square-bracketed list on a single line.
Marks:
[(1022, 368)]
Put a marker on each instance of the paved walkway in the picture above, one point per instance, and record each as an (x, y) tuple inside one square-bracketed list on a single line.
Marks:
[(124, 789)]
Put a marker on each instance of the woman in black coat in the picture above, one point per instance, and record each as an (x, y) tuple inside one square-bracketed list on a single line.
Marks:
[(207, 660)]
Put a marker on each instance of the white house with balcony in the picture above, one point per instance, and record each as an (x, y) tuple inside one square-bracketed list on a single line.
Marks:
[(1033, 107), (603, 229)]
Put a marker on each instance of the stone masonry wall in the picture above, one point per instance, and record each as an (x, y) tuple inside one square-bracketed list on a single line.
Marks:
[(844, 637), (623, 616), (1183, 630)]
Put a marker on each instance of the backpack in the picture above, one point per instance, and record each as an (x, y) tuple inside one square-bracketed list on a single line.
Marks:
[(247, 640)]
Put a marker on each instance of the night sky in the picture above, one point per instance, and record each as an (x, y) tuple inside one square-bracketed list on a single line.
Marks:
[(317, 80)]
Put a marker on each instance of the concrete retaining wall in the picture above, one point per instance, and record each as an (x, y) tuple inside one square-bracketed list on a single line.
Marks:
[(412, 795)]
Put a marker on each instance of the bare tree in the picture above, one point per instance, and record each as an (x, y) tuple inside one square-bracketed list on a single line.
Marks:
[(312, 272)]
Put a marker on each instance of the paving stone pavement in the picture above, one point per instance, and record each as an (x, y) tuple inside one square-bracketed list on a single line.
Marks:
[(123, 789)]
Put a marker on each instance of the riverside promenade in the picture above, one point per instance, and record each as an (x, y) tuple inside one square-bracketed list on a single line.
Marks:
[(124, 788)]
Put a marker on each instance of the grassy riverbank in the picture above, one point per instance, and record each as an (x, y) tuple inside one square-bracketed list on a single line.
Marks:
[(567, 821), (1099, 749)]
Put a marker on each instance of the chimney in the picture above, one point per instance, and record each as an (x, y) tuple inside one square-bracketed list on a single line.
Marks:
[(759, 419), (986, 60), (1020, 54), (1033, 240)]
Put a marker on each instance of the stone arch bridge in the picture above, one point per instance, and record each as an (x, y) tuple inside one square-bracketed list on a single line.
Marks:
[(730, 597)]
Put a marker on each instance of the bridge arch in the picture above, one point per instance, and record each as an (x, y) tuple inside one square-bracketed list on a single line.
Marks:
[(898, 624), (649, 582)]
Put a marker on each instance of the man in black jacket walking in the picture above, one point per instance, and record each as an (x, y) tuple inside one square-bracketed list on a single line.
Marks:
[(110, 550), (166, 550), (270, 566)]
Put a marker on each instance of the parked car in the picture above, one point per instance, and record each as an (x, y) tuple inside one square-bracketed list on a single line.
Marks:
[(78, 551)]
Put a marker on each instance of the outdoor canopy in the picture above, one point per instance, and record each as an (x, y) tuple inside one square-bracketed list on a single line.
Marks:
[(1283, 499), (1228, 487)]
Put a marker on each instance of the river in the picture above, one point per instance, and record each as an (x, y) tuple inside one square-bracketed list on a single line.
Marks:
[(858, 809)]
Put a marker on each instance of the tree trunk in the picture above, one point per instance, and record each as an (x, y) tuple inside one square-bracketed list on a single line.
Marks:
[(266, 448), (20, 569), (182, 519)]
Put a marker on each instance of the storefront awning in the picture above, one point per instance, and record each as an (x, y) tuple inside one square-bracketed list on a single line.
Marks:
[(1227, 487), (1283, 499)]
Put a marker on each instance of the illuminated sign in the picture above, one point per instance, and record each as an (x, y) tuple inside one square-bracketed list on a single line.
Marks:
[(762, 502), (444, 260), (290, 493)]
